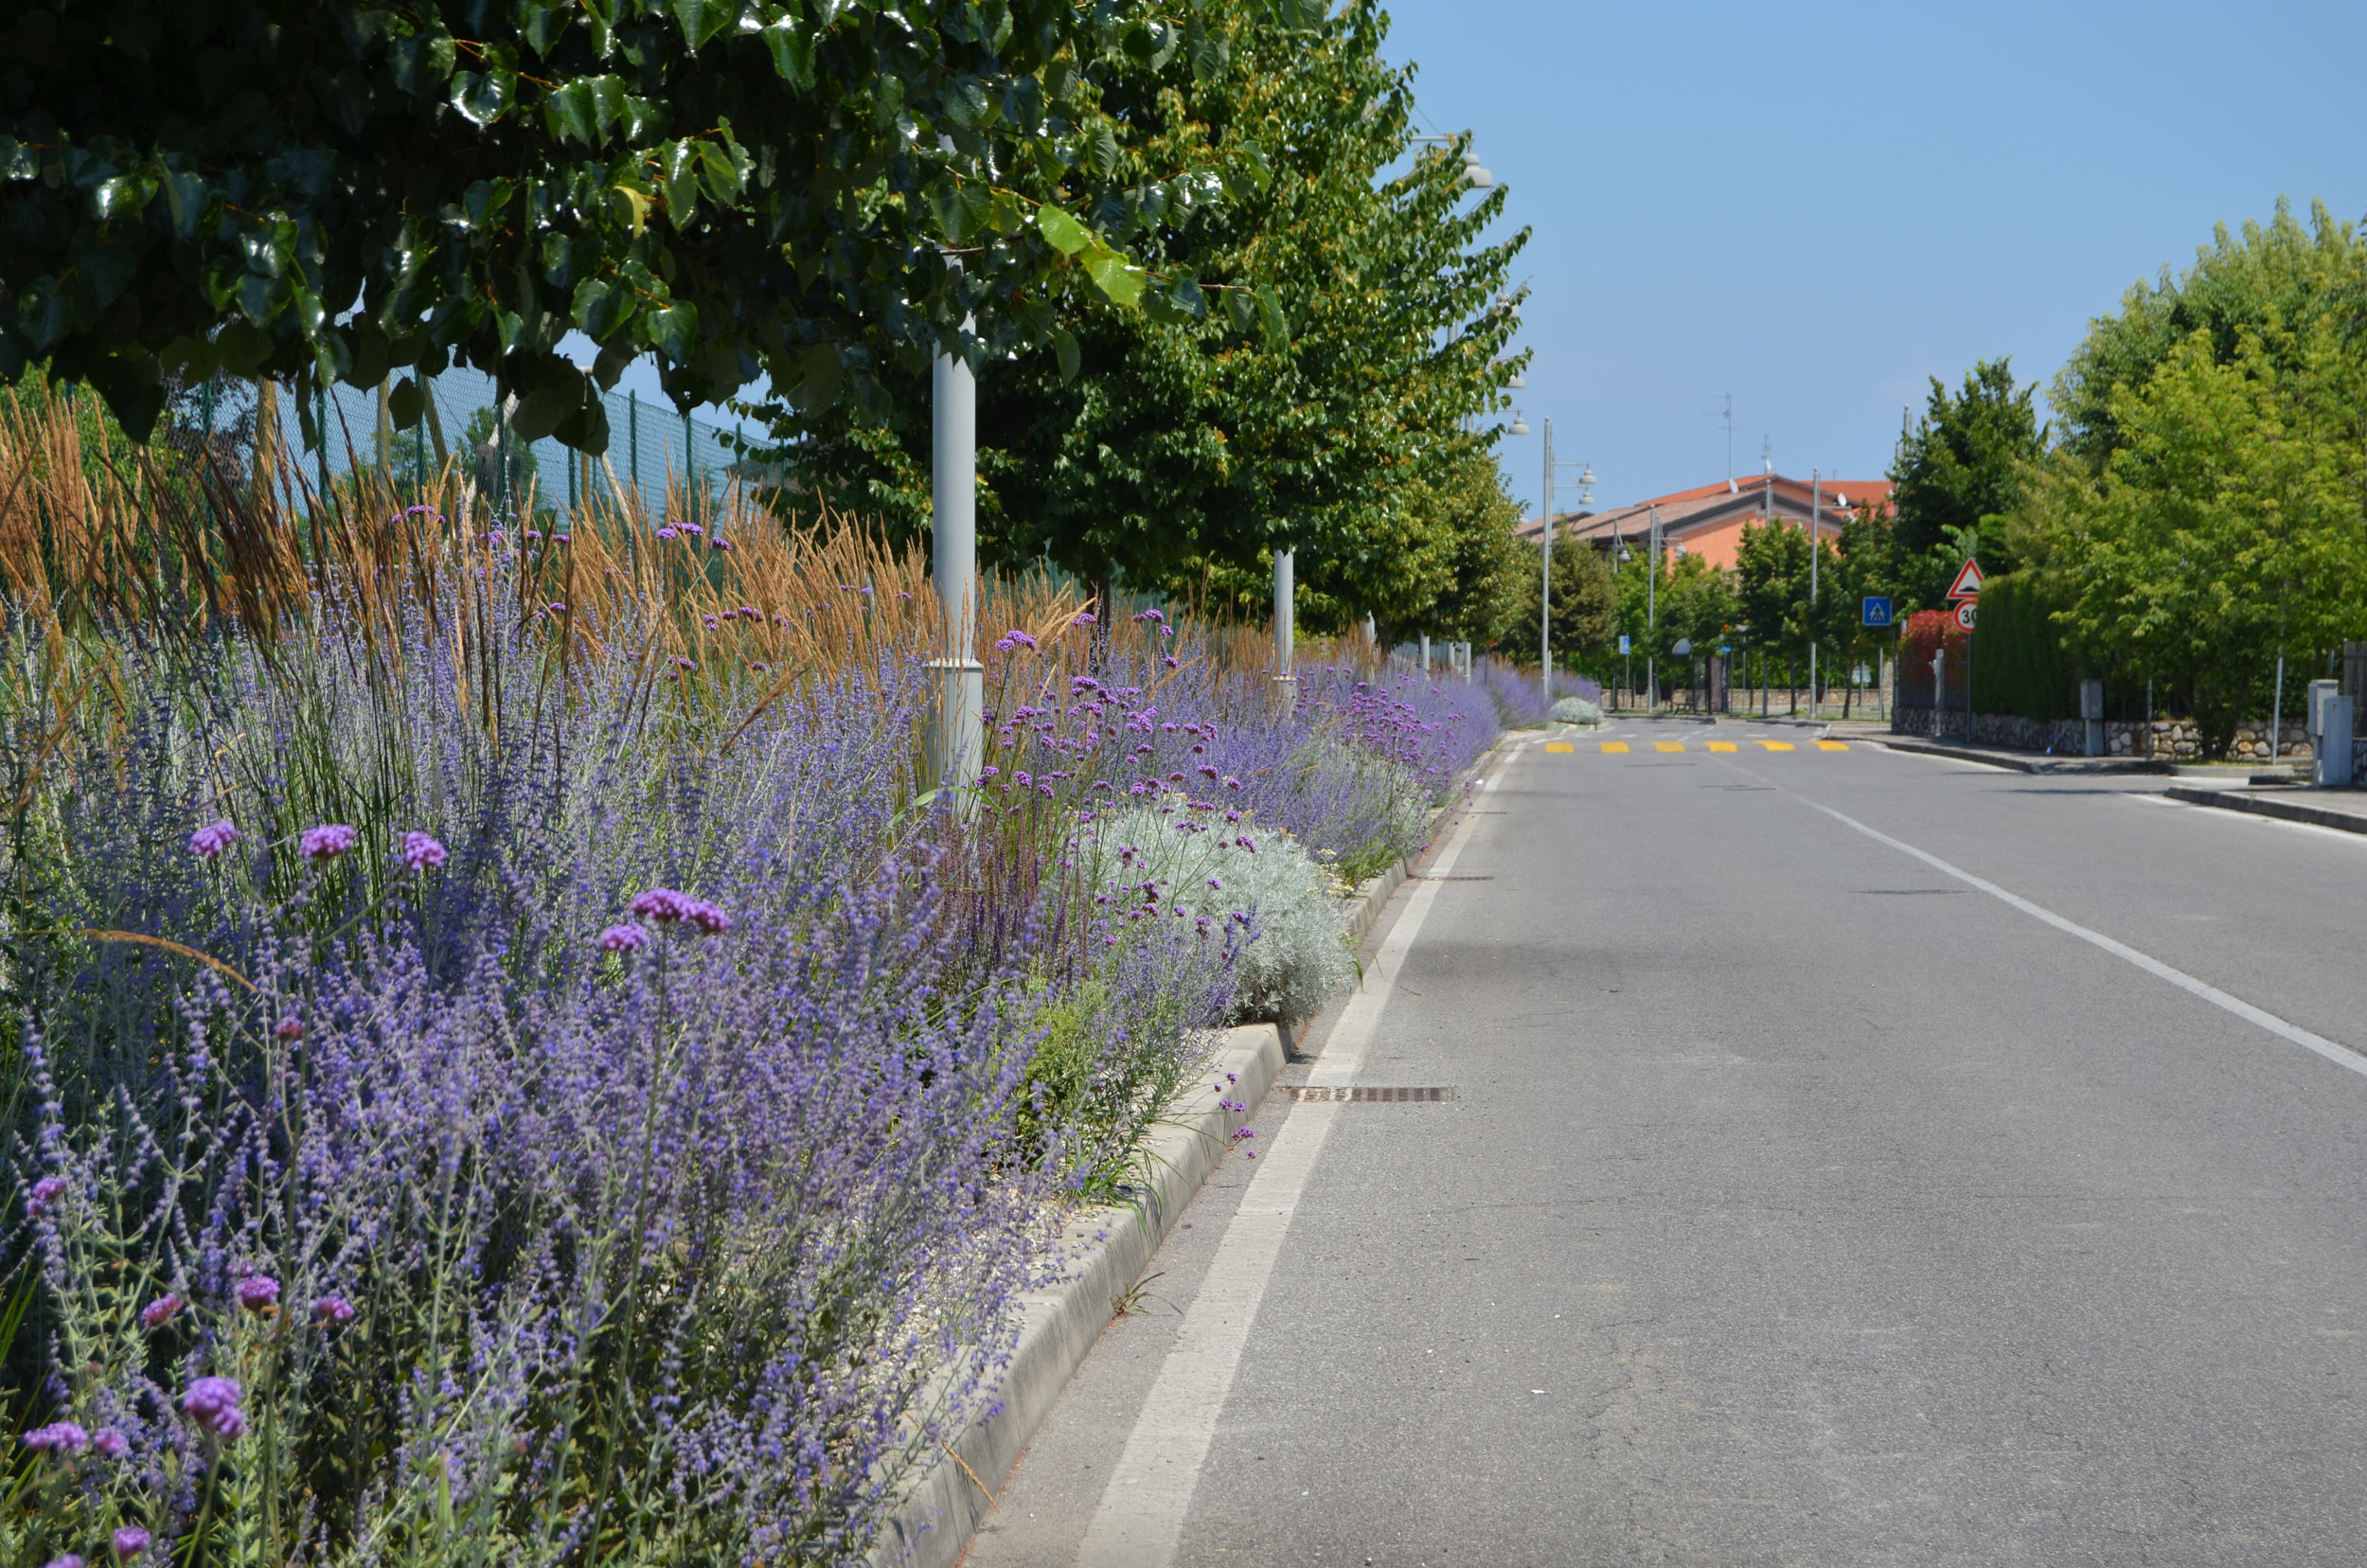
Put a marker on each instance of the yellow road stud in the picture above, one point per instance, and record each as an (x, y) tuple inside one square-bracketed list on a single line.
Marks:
[(1614, 748), (1832, 745), (1722, 746), (1668, 745), (1559, 746), (1776, 745)]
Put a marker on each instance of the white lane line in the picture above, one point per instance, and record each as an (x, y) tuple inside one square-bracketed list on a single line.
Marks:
[(1141, 1515), (2339, 1056)]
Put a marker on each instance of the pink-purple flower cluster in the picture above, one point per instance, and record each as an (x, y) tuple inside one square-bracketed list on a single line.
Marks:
[(664, 906), (209, 842), (328, 841), (423, 851), (213, 1405)]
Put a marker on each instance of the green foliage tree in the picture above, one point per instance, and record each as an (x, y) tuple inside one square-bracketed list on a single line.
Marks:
[(1585, 606), (1178, 449), (1961, 465), (2225, 527), (321, 191)]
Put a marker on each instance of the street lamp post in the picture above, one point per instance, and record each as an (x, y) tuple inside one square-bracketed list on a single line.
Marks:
[(1545, 580), (957, 741), (1816, 538)]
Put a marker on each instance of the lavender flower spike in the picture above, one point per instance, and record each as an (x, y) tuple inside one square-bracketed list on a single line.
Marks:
[(45, 1192), (58, 1438)]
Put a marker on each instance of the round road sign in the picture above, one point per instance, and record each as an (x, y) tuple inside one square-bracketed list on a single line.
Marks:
[(1965, 614)]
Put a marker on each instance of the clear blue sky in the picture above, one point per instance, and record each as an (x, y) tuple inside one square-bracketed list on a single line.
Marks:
[(1817, 208)]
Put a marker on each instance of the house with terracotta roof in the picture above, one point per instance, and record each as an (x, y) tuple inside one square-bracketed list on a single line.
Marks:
[(1708, 521)]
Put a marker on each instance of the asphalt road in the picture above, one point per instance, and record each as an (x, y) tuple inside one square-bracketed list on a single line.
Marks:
[(1797, 1202)]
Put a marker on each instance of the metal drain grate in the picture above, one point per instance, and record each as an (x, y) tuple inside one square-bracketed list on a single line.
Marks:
[(1367, 1094)]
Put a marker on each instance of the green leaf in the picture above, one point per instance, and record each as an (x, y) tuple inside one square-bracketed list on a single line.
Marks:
[(1270, 311), (405, 404), (608, 101), (1060, 231), (720, 177), (18, 161), (185, 199), (1072, 360), (1120, 280), (674, 331), (542, 409), (703, 19), (421, 62), (600, 307), (573, 113), (944, 203), (243, 348), (793, 52), (678, 176), (823, 373), (483, 100), (1101, 151), (546, 24), (1242, 308)]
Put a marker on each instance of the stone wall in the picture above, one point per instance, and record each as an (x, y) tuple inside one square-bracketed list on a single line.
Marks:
[(2172, 740)]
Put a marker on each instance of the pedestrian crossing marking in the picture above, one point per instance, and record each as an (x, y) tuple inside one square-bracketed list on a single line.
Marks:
[(1559, 746), (1612, 748), (1776, 745), (1722, 746), (1832, 745), (1668, 745)]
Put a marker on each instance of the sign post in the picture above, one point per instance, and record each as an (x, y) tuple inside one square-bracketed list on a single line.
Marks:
[(1966, 591)]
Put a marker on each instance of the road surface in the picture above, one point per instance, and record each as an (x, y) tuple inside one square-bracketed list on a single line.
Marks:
[(1852, 1158)]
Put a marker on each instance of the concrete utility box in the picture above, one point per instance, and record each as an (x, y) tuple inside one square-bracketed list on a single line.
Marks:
[(2092, 709), (2332, 770)]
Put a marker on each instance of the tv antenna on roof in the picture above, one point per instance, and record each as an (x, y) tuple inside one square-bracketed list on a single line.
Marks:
[(1766, 460), (1727, 414)]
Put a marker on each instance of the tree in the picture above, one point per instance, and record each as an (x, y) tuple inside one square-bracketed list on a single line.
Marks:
[(1178, 449), (1585, 605), (323, 191), (1960, 467), (2225, 528)]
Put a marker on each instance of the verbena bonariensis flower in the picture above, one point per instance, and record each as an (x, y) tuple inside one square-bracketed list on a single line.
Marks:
[(58, 1438), (213, 1403), (328, 841), (422, 851), (42, 1193), (257, 1292), (333, 1308), (160, 1310), (129, 1541), (110, 1444), (208, 843), (624, 939)]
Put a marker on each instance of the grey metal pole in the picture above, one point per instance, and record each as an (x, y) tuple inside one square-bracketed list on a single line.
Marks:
[(1285, 606), (1816, 538), (2276, 713), (1545, 580), (958, 741), (1651, 611)]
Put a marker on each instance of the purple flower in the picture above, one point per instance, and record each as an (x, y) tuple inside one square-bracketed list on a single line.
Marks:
[(1245, 1132), (535, 534), (70, 1559), (667, 534), (213, 1403), (58, 1438), (1014, 639), (257, 1293), (46, 1192), (209, 842), (624, 939), (1085, 618), (691, 528), (130, 1540), (110, 1444), (157, 1312), (719, 543), (1216, 884), (333, 1308), (1172, 662), (708, 917), (290, 1027), (327, 842), (560, 539), (421, 852), (662, 904), (557, 606)]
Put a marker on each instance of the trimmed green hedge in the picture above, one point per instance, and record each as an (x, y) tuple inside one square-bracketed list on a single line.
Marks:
[(2020, 665)]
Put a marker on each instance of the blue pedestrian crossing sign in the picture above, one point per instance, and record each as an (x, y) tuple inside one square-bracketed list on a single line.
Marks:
[(1878, 610), (1623, 642)]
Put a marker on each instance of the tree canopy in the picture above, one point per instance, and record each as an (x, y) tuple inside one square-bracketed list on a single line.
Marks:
[(1962, 465), (319, 192)]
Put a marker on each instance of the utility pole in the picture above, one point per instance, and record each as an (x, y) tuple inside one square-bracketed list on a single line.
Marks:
[(1651, 615), (1545, 580), (958, 740), (1816, 538)]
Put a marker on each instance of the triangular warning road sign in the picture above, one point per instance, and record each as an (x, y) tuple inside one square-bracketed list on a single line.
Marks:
[(1967, 583)]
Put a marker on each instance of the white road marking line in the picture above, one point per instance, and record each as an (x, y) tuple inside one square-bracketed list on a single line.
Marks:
[(2339, 1056), (1141, 1514)]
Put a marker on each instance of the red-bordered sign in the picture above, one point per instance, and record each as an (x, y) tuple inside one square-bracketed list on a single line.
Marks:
[(1966, 611), (1967, 583)]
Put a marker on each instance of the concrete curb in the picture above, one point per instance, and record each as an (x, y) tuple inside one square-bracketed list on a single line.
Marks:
[(932, 1526), (1058, 1326), (2017, 762), (2269, 806)]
